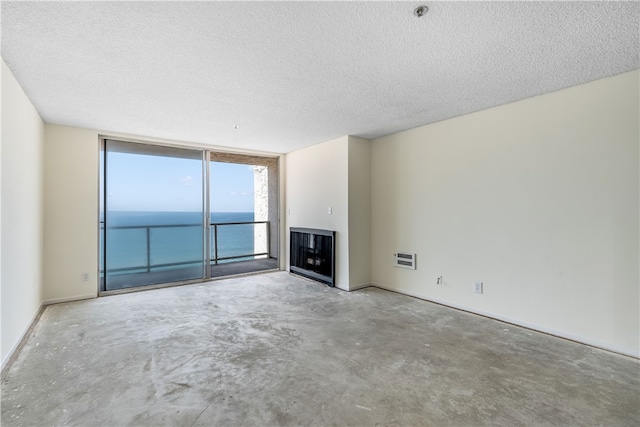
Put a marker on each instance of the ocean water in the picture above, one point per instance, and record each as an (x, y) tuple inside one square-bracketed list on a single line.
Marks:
[(157, 241)]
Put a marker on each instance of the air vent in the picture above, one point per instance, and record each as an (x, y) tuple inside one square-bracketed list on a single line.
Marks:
[(404, 260)]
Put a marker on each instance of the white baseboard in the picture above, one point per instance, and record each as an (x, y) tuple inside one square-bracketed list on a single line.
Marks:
[(23, 337), (69, 299), (560, 334)]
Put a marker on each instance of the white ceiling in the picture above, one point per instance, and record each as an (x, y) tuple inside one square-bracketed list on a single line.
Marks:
[(293, 74)]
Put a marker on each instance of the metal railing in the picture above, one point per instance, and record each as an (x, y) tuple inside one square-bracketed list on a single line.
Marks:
[(215, 226), (215, 259)]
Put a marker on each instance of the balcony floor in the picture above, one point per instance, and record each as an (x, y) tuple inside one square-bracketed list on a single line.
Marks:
[(243, 267), (126, 281)]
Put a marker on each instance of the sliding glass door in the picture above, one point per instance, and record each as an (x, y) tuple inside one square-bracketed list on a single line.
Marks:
[(170, 215), (152, 215), (242, 206)]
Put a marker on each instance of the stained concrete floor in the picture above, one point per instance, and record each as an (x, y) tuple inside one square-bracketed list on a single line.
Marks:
[(274, 349)]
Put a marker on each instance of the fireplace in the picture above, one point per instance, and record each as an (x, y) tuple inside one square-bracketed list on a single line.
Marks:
[(313, 254)]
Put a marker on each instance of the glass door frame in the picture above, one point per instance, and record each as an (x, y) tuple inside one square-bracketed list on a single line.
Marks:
[(208, 156), (102, 217)]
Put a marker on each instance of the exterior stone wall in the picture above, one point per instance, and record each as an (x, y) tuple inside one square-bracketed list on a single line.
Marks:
[(260, 206)]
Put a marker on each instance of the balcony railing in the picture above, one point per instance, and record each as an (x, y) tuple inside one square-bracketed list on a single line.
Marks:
[(219, 252), (267, 242)]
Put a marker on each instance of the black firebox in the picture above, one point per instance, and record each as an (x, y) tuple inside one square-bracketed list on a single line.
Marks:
[(313, 254)]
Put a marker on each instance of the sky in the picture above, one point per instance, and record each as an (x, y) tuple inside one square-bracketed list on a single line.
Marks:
[(138, 182)]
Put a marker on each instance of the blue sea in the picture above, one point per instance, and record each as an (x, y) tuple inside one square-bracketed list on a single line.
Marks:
[(156, 241)]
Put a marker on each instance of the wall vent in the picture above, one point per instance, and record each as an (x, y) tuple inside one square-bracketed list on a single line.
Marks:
[(404, 260)]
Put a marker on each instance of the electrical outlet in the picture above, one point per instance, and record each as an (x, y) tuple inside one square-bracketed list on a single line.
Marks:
[(439, 280), (85, 277), (330, 210), (478, 288)]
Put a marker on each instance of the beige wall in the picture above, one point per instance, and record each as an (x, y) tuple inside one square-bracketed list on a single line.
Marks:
[(317, 179), (20, 213), (71, 213), (359, 212), (538, 199)]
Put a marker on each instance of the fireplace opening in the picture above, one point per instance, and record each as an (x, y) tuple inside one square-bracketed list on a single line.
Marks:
[(313, 254)]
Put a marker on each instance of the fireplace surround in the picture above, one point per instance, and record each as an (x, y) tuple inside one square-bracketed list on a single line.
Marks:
[(313, 253)]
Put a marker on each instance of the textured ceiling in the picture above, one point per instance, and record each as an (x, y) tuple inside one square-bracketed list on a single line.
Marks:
[(293, 74)]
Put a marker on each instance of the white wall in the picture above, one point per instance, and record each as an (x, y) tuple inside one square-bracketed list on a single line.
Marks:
[(538, 199), (359, 212), (317, 179), (21, 213)]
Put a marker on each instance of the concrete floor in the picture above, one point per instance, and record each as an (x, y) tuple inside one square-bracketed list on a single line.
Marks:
[(274, 349)]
